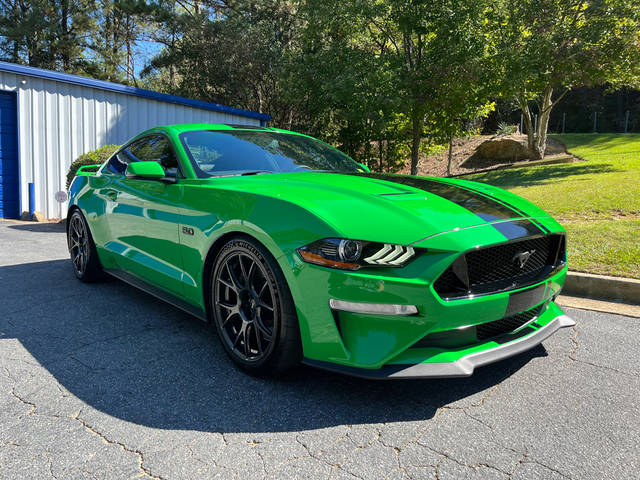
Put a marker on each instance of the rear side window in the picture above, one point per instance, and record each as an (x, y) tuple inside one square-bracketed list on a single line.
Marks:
[(151, 148)]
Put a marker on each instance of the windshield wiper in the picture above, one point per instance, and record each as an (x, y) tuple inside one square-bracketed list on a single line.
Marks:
[(260, 172), (256, 172)]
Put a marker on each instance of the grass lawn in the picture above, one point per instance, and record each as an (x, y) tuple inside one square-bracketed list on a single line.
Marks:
[(598, 200)]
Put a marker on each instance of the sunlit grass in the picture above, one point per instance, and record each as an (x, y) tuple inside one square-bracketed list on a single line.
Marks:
[(598, 200), (608, 247)]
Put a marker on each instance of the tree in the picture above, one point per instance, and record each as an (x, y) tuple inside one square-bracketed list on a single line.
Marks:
[(46, 33), (428, 56), (543, 48), (170, 19), (120, 25), (341, 89), (22, 28), (232, 52)]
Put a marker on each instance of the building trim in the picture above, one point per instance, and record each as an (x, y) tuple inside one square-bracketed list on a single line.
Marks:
[(136, 92)]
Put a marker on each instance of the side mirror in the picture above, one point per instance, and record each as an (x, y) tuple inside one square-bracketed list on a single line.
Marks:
[(149, 170), (364, 167)]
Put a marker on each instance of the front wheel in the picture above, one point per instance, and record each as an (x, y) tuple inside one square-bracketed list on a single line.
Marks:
[(84, 257), (253, 310)]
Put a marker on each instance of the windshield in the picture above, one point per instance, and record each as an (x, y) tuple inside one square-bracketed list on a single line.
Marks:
[(237, 152)]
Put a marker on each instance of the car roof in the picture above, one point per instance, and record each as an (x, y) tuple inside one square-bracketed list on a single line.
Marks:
[(188, 127)]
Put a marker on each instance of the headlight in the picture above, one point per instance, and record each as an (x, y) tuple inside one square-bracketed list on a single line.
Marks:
[(354, 254)]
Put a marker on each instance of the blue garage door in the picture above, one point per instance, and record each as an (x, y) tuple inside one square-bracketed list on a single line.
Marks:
[(9, 175)]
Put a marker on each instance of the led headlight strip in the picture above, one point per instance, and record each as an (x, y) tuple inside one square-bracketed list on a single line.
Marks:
[(347, 254), (391, 255)]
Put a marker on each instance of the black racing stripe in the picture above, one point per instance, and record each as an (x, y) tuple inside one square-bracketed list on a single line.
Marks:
[(517, 229), (485, 207), (540, 226), (488, 208)]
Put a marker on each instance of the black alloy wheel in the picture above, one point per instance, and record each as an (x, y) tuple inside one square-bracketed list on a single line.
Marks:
[(84, 257), (78, 244), (253, 310)]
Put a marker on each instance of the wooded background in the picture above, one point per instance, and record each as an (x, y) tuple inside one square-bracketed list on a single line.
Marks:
[(383, 79)]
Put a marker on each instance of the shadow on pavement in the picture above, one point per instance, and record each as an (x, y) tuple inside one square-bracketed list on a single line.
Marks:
[(135, 358), (45, 227)]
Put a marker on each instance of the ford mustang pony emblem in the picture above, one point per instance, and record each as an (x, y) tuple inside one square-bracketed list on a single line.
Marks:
[(523, 257)]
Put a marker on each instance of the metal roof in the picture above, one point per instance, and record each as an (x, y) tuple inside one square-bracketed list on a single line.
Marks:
[(137, 92)]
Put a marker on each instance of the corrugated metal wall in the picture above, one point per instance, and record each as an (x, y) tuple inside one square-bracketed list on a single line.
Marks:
[(59, 121)]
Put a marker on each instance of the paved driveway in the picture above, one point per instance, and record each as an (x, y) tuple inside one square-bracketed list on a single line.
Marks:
[(103, 381)]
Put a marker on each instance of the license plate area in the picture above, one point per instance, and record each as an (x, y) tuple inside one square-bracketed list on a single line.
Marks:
[(526, 299)]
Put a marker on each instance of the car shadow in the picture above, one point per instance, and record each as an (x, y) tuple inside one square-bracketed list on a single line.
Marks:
[(131, 356), (44, 227)]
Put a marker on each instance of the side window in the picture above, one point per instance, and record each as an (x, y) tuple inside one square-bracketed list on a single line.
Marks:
[(115, 165), (156, 148), (151, 148), (118, 163)]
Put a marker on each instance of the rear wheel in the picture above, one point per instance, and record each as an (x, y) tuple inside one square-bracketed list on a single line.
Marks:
[(84, 257), (253, 310)]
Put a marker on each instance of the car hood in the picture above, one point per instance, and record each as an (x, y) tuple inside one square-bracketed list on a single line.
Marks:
[(389, 208)]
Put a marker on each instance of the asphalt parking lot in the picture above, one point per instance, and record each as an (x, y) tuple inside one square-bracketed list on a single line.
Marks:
[(103, 381)]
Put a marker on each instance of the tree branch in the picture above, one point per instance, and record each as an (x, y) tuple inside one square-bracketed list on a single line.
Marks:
[(558, 99), (387, 34)]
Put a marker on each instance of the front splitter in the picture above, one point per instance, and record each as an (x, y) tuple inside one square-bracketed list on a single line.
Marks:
[(463, 367)]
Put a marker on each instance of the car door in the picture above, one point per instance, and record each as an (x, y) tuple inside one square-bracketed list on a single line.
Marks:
[(145, 215)]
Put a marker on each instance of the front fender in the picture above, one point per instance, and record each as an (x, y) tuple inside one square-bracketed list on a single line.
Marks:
[(279, 225)]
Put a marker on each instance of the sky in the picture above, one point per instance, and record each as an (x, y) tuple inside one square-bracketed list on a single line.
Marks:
[(145, 50)]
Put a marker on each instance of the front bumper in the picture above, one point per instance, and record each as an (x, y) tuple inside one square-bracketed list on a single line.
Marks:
[(386, 344), (463, 367)]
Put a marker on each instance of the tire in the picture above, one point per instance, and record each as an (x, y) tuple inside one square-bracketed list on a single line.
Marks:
[(84, 256), (252, 309)]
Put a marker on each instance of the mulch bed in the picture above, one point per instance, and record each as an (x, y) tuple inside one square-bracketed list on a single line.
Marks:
[(464, 160)]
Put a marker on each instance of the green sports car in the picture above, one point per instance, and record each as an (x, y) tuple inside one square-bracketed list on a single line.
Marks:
[(296, 253)]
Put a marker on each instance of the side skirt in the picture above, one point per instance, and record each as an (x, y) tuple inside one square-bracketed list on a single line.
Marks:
[(158, 293)]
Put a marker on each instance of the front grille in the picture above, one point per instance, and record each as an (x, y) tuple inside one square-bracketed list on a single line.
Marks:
[(497, 268), (485, 331)]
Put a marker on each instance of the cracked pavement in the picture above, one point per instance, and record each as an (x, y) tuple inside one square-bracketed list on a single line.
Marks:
[(104, 381)]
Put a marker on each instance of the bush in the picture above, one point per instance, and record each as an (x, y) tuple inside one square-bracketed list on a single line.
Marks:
[(506, 129), (94, 157)]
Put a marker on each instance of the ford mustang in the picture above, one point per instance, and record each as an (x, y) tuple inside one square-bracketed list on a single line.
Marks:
[(296, 253)]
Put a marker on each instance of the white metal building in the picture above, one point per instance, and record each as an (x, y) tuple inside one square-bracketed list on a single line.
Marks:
[(48, 119)]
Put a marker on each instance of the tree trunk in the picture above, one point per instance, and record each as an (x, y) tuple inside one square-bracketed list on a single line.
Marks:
[(537, 141), (64, 40), (450, 155), (528, 124), (543, 123), (416, 137)]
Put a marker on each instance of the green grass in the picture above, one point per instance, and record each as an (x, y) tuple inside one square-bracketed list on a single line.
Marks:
[(597, 200), (608, 247)]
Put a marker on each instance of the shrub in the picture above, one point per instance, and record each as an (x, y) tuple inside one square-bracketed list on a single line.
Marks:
[(94, 157), (506, 129)]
